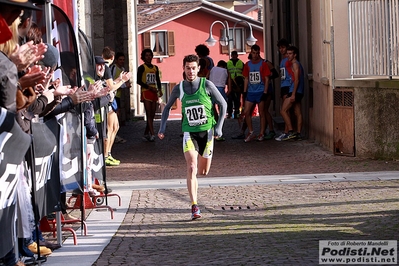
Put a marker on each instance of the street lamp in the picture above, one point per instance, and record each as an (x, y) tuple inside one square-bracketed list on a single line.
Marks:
[(225, 38)]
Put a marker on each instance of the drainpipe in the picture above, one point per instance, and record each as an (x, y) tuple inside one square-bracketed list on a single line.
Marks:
[(331, 42), (133, 56), (332, 47), (332, 57)]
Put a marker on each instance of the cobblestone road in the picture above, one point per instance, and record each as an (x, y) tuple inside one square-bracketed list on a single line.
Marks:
[(245, 225)]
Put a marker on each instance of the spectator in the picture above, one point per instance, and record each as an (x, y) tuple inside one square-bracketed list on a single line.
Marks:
[(256, 73), (149, 79), (235, 85), (112, 123), (116, 69), (219, 77), (295, 94)]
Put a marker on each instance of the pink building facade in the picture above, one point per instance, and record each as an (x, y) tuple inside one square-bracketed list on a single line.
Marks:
[(183, 34)]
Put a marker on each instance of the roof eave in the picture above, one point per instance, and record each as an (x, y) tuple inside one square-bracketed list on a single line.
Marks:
[(235, 17), (150, 27), (212, 9)]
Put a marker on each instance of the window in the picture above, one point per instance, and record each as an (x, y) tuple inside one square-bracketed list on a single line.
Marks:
[(237, 41), (374, 38), (166, 91), (162, 43)]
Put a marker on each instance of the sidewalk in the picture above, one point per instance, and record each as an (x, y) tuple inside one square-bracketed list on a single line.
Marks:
[(263, 203)]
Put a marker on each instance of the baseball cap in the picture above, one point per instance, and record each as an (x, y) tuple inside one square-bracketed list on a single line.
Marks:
[(99, 60), (24, 4)]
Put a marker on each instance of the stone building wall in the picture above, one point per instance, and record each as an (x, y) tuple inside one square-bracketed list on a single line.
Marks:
[(109, 20), (376, 127)]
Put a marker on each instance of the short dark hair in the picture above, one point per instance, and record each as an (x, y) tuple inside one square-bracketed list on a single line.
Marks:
[(202, 50), (34, 34), (234, 53), (108, 53), (190, 58), (294, 49), (283, 42), (148, 50), (222, 63), (119, 54), (255, 47)]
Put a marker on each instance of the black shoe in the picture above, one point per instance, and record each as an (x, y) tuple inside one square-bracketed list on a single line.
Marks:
[(52, 246), (241, 136), (41, 259), (30, 261), (107, 191), (298, 136)]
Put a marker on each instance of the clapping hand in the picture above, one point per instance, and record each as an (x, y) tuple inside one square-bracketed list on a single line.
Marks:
[(97, 89), (34, 75), (125, 76), (81, 95), (64, 90), (25, 55)]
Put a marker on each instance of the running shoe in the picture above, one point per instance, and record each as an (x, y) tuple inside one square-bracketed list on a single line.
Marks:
[(113, 159), (270, 135), (289, 136), (152, 138), (195, 212), (298, 136), (261, 137), (109, 162), (280, 138), (250, 137), (220, 139), (146, 137)]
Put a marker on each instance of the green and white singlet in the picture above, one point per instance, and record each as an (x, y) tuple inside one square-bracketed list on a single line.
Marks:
[(197, 109)]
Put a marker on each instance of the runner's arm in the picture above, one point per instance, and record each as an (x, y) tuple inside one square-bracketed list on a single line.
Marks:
[(218, 98)]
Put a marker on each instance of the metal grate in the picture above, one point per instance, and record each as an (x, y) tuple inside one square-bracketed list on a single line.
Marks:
[(343, 98), (374, 37)]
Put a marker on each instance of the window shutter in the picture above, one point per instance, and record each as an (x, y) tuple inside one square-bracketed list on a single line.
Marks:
[(171, 43), (147, 40), (171, 86), (225, 49)]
